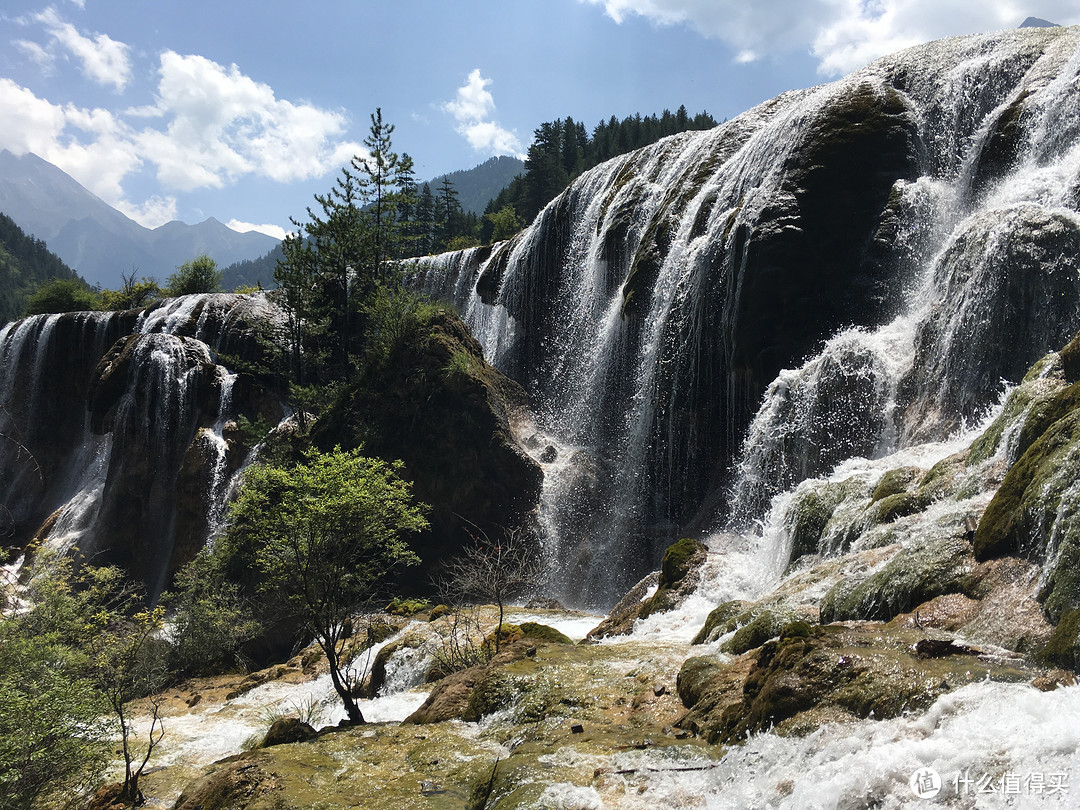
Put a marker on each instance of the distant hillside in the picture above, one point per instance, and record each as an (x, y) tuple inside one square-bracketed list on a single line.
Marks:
[(252, 272), (98, 241), (562, 150), (475, 187), (25, 262)]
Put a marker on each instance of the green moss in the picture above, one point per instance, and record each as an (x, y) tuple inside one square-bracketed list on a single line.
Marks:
[(894, 482), (914, 575), (542, 632), (407, 607), (1025, 497), (816, 523), (809, 516), (894, 507), (680, 558), (943, 478), (677, 561), (439, 611), (719, 620), (1063, 647), (766, 624), (1044, 412)]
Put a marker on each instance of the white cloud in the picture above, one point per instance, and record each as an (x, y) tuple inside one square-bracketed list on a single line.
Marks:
[(223, 125), (153, 213), (473, 108), (209, 126), (37, 54), (842, 34), (275, 231), (104, 60), (473, 101)]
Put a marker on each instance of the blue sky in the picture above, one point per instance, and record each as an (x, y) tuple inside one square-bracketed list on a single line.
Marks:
[(242, 109)]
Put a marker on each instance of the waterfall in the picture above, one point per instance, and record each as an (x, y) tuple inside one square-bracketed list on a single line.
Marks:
[(649, 308), (115, 427)]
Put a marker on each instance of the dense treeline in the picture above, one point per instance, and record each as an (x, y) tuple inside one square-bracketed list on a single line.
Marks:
[(561, 150), (25, 262)]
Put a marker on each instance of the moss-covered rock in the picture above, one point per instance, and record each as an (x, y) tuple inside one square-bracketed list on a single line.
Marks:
[(894, 482), (543, 632), (1027, 500), (810, 513), (1063, 647), (719, 620), (815, 674), (288, 730), (436, 404), (681, 559), (763, 624), (403, 606), (914, 575)]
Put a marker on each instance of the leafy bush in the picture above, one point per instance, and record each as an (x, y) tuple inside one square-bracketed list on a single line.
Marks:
[(200, 275), (62, 295), (211, 622)]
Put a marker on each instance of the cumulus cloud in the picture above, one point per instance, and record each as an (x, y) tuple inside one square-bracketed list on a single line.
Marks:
[(843, 35), (239, 226), (153, 213), (209, 126), (473, 108), (221, 125), (104, 60)]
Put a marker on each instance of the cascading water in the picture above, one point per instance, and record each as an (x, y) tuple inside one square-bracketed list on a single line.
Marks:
[(647, 308), (114, 428)]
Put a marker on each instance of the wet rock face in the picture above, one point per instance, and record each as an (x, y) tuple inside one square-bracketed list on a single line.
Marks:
[(804, 267), (125, 425), (440, 408), (677, 579), (811, 675), (1010, 292)]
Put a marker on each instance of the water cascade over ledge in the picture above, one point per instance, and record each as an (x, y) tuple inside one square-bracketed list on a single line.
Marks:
[(119, 431), (842, 271)]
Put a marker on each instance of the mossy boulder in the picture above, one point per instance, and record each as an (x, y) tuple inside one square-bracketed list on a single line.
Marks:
[(814, 674), (681, 560), (894, 482), (914, 575), (1063, 647), (436, 404), (544, 633), (674, 582), (403, 606), (719, 620), (288, 730), (768, 624), (810, 513), (1032, 503)]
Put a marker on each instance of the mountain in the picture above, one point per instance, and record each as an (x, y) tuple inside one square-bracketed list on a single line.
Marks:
[(98, 241), (1035, 22), (25, 262), (477, 186)]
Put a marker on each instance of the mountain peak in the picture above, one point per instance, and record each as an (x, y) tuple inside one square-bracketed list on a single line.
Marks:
[(1035, 22), (100, 242)]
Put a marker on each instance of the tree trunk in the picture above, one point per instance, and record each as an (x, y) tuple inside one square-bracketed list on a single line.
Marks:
[(355, 716)]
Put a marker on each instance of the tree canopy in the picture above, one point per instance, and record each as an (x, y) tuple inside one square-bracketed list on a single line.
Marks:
[(325, 535), (200, 275)]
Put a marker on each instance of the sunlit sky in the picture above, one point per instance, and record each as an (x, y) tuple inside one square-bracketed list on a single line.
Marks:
[(242, 109)]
